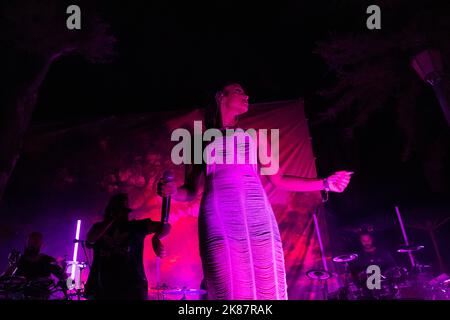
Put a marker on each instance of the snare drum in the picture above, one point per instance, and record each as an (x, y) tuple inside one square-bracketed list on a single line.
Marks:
[(39, 288), (11, 288)]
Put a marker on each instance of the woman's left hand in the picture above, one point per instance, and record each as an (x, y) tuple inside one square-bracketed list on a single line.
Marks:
[(338, 181)]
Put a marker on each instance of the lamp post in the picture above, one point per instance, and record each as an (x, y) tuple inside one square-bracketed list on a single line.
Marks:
[(428, 65)]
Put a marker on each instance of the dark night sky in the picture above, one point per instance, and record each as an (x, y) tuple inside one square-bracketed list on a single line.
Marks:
[(173, 56)]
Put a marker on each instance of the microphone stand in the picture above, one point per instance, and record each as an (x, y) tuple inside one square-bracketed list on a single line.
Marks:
[(168, 176), (83, 246), (322, 253), (321, 275), (158, 284), (79, 291)]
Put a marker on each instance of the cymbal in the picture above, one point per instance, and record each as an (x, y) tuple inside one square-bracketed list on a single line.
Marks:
[(78, 263), (441, 279), (161, 288), (183, 291), (345, 258), (358, 230), (13, 280), (410, 248), (318, 274), (42, 282)]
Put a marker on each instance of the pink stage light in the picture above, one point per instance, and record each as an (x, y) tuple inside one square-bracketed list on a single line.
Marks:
[(75, 249)]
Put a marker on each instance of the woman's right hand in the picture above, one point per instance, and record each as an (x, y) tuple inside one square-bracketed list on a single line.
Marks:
[(166, 189), (158, 247)]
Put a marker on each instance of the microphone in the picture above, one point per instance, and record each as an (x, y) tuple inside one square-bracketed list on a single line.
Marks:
[(167, 177)]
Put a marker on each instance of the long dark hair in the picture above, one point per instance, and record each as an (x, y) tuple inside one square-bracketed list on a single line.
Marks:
[(118, 201), (213, 117)]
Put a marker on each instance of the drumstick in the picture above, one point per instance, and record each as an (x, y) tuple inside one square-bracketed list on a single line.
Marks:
[(319, 237), (405, 237)]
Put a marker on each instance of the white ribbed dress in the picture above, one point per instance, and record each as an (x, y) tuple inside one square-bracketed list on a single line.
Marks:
[(240, 244)]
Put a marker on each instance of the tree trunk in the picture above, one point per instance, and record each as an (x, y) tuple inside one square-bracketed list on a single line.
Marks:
[(17, 114)]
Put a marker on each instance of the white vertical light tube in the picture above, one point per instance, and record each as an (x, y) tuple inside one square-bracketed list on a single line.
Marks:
[(75, 249)]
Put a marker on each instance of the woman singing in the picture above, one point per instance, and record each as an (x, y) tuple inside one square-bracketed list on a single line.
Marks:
[(240, 244)]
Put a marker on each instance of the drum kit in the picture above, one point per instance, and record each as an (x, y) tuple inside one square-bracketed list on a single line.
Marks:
[(165, 292), (19, 288), (15, 287), (44, 288), (396, 283)]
